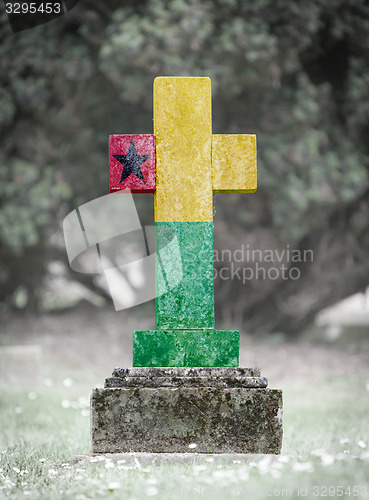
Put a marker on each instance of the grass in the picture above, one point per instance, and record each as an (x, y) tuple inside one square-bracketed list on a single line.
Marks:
[(325, 451)]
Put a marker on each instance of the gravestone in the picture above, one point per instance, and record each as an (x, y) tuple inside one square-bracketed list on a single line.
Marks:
[(185, 391)]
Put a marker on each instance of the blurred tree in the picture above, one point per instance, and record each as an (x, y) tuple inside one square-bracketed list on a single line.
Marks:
[(296, 74)]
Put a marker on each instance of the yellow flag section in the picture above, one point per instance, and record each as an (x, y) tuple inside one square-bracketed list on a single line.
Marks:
[(182, 127), (191, 163), (234, 163)]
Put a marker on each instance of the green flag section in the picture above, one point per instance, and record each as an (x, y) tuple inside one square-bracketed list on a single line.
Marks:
[(187, 248), (185, 333), (186, 348)]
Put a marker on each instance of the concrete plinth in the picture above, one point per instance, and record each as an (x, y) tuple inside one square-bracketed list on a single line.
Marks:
[(165, 410)]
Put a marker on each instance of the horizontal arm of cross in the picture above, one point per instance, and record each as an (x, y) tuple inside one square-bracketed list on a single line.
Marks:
[(183, 163), (233, 163)]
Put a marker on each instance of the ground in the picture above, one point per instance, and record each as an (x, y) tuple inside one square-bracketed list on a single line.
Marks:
[(42, 427), (88, 342)]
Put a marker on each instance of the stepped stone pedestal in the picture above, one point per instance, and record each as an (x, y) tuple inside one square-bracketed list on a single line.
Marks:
[(165, 410)]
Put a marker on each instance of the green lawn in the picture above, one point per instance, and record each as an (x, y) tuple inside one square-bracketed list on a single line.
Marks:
[(325, 451)]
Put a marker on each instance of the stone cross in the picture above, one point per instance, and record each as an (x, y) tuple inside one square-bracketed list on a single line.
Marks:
[(183, 163)]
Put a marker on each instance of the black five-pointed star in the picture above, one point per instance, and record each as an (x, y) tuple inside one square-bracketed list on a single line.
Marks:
[(132, 163)]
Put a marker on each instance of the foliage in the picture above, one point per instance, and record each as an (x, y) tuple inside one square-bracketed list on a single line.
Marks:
[(296, 74)]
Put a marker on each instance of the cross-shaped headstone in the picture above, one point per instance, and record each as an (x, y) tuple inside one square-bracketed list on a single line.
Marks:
[(190, 163)]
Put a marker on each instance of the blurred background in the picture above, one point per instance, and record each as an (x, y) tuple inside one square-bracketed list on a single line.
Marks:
[(294, 73)]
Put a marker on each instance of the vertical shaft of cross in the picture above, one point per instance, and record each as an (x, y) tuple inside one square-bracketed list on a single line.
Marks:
[(183, 198), (191, 163)]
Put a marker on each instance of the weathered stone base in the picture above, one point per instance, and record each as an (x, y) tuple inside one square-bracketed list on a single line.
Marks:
[(215, 416)]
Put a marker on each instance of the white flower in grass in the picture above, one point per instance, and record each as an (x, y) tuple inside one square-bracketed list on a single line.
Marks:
[(199, 467), (84, 402), (226, 474), (94, 459), (344, 440), (303, 467), (361, 444), (124, 467), (42, 460), (152, 491), (318, 453), (65, 403), (243, 474), (341, 456), (207, 479), (152, 480), (367, 386), (192, 446), (52, 472), (15, 469), (275, 473), (67, 382), (32, 396), (18, 410), (114, 485), (327, 460), (210, 459), (219, 474), (264, 464), (277, 465), (109, 465), (8, 483), (85, 413), (123, 461), (26, 492)]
